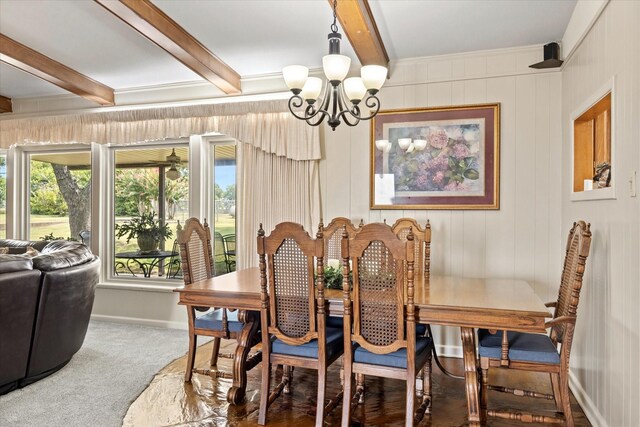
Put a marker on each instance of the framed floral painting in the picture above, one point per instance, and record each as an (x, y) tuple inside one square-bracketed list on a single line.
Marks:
[(436, 158)]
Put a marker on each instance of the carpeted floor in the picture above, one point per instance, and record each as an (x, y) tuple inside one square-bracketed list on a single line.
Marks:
[(115, 364)]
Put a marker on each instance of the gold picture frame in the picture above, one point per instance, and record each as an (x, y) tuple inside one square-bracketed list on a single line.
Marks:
[(436, 158)]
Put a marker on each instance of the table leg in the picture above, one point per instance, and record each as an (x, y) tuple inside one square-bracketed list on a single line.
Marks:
[(471, 377), (247, 338)]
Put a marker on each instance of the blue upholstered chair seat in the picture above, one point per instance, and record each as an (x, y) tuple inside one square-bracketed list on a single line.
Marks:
[(335, 344), (522, 346), (397, 359), (213, 320)]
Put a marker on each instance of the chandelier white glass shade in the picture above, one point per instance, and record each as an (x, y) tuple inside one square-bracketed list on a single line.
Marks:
[(341, 99), (407, 144), (173, 173)]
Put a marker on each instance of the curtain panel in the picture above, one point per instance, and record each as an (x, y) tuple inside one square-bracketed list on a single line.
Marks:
[(274, 189), (267, 125)]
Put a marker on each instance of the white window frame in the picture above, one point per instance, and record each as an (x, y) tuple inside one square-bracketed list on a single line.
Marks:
[(201, 158), (5, 153), (107, 226), (209, 198), (20, 200)]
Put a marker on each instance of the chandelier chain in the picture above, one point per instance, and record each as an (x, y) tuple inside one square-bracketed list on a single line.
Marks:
[(334, 26)]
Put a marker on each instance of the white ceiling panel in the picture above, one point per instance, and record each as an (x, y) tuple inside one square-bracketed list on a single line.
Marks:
[(16, 83), (86, 37), (258, 37), (413, 28)]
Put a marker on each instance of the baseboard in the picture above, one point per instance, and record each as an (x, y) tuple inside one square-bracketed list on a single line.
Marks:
[(141, 321), (590, 410), (449, 350)]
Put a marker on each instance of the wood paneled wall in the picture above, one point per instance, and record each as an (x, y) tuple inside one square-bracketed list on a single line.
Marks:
[(523, 238), (606, 356)]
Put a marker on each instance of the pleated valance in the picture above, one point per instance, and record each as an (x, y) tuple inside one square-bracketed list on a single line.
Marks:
[(267, 125)]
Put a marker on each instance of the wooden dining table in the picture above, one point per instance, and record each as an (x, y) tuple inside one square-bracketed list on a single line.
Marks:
[(467, 303)]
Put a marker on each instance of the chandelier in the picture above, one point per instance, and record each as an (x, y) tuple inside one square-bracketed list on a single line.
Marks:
[(342, 97)]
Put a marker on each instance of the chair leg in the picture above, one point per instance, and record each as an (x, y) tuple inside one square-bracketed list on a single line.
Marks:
[(555, 386), (287, 376), (360, 388), (193, 344), (347, 395), (215, 352), (322, 389), (566, 399), (411, 396), (484, 383), (264, 389), (426, 381)]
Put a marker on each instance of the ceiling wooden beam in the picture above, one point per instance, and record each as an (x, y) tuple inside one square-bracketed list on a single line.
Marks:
[(5, 104), (27, 59), (358, 24), (154, 24)]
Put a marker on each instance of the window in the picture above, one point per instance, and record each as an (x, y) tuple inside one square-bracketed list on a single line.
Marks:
[(151, 183), (127, 181), (59, 194), (3, 196), (224, 201)]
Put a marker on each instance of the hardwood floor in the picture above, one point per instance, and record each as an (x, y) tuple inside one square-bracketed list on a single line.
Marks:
[(170, 401)]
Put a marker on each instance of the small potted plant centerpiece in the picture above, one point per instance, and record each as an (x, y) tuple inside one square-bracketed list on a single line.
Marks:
[(146, 229)]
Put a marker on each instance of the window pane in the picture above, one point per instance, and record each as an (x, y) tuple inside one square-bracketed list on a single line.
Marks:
[(147, 187), (224, 176), (3, 196), (60, 199)]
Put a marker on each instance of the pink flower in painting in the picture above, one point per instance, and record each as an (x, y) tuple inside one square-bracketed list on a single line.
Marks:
[(438, 178), (455, 186), (460, 151), (438, 139), (439, 163), (422, 181)]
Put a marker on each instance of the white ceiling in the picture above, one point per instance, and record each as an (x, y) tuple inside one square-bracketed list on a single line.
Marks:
[(258, 37)]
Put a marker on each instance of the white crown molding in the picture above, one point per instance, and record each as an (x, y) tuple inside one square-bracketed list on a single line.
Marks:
[(474, 53), (406, 71)]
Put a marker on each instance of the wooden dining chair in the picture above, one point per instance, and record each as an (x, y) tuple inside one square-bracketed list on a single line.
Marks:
[(333, 236), (197, 264), (382, 339), (292, 314), (422, 238), (539, 352)]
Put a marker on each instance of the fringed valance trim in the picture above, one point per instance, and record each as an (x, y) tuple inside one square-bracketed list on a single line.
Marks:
[(267, 125)]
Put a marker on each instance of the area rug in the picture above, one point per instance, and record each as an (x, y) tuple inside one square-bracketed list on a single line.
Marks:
[(115, 364), (169, 401)]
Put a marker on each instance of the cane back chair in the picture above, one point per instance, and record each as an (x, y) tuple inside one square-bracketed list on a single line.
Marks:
[(333, 236), (422, 238), (384, 329), (539, 352), (295, 318), (197, 264)]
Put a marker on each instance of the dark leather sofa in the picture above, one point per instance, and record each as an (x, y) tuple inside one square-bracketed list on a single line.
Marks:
[(45, 306)]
